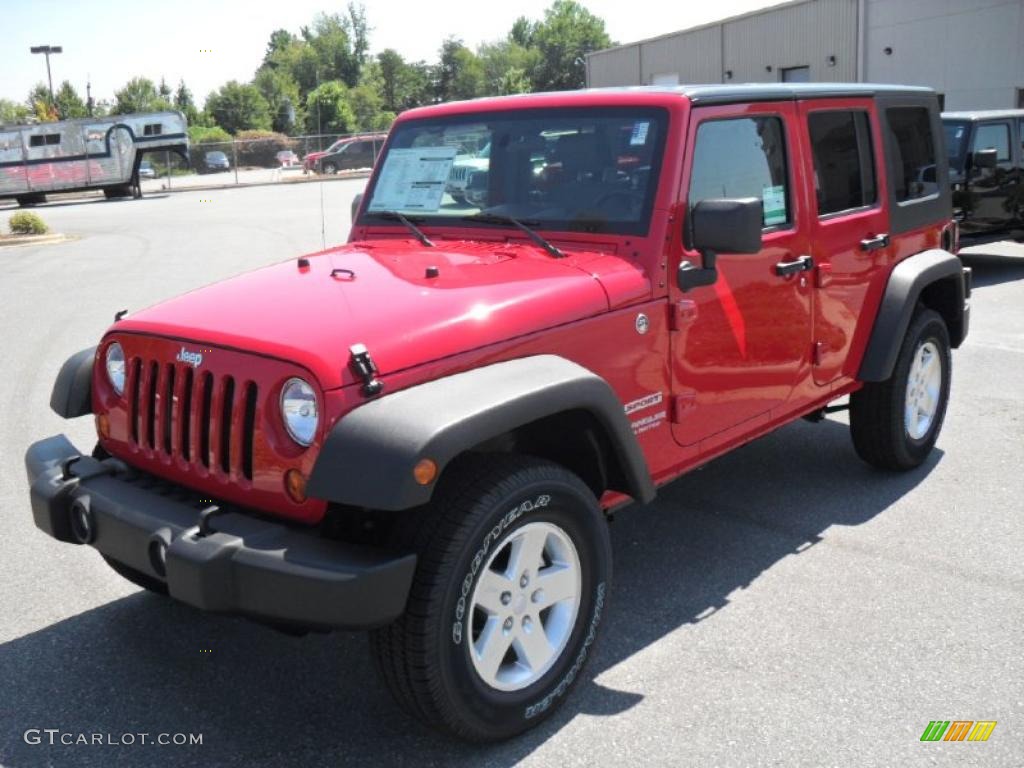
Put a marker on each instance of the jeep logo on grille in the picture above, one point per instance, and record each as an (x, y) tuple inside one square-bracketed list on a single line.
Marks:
[(195, 359)]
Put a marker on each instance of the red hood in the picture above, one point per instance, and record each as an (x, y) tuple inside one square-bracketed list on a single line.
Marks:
[(485, 293)]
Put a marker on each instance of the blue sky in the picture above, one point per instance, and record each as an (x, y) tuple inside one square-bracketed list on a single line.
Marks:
[(110, 41)]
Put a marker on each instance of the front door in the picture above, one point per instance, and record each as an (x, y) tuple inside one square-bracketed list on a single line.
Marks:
[(742, 344), (849, 226), (991, 188)]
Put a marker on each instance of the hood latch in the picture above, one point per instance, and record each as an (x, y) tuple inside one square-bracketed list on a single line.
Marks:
[(366, 369)]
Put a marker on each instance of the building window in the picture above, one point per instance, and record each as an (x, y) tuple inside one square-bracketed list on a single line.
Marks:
[(152, 129), (993, 136), (796, 74), (743, 157), (914, 159), (844, 166), (44, 140)]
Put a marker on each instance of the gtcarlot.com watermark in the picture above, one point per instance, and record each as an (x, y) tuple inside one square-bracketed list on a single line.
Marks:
[(55, 737)]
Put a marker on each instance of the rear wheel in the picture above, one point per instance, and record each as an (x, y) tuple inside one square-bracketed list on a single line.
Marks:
[(121, 190), (514, 566), (895, 423), (28, 201)]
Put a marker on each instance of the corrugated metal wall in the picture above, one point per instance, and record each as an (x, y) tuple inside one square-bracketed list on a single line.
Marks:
[(800, 34), (804, 35), (972, 51)]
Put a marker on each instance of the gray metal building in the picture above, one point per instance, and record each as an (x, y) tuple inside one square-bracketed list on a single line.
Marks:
[(970, 51)]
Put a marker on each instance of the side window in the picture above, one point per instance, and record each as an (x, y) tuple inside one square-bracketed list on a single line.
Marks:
[(914, 150), (152, 129), (742, 157), (993, 136), (44, 140), (844, 166), (1020, 132)]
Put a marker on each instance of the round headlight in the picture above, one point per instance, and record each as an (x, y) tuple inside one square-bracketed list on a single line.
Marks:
[(299, 411), (115, 367)]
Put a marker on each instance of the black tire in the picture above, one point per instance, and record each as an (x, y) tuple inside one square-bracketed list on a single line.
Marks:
[(137, 578), (114, 193), (30, 201), (329, 168), (424, 657), (877, 411)]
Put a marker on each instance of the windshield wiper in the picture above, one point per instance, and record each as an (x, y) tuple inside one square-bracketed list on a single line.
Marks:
[(396, 216), (496, 218)]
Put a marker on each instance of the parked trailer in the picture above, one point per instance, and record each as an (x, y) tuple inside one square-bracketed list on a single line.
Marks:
[(87, 153)]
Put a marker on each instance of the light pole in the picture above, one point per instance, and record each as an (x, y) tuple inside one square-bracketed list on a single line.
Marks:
[(47, 50)]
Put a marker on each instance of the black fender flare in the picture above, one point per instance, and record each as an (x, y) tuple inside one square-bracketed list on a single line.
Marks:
[(72, 391), (368, 457), (908, 279)]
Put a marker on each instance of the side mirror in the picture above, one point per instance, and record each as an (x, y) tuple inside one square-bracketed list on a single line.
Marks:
[(986, 158), (719, 226), (356, 202)]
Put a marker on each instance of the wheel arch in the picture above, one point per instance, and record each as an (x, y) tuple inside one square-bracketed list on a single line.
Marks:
[(934, 278), (544, 405), (72, 391)]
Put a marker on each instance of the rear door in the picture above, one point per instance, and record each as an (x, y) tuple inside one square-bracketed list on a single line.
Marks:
[(848, 224), (742, 344)]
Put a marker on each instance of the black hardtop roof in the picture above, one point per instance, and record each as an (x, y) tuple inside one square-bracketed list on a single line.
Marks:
[(983, 114), (717, 93)]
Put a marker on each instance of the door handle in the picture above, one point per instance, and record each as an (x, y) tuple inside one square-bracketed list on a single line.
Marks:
[(803, 264), (874, 243)]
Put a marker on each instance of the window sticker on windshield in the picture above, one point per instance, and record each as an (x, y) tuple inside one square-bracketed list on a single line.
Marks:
[(774, 201), (413, 179), (639, 133)]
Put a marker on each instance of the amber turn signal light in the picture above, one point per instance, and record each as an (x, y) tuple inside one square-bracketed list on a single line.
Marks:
[(425, 471), (103, 425), (295, 485)]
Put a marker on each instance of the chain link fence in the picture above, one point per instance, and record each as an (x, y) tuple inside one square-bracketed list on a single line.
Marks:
[(264, 161)]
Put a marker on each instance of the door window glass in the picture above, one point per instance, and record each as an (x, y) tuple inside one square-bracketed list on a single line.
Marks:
[(742, 157), (844, 172), (914, 174), (993, 136)]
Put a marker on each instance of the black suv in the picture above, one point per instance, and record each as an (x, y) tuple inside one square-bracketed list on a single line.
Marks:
[(986, 171)]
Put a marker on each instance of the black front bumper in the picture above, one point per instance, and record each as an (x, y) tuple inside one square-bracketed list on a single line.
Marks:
[(243, 565)]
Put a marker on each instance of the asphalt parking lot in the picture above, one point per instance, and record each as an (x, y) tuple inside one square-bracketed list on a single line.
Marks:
[(785, 605)]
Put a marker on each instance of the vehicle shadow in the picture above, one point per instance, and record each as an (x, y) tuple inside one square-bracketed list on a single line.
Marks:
[(996, 268), (142, 664)]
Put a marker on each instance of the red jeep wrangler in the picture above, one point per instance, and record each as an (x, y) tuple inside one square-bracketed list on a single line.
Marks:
[(424, 431)]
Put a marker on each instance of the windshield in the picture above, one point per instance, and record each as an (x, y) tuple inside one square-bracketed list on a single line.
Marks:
[(956, 143), (593, 169)]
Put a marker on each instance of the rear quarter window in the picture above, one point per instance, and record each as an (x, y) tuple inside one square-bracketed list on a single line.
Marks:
[(993, 136), (913, 146)]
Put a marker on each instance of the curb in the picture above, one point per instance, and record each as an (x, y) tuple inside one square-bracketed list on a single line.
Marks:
[(16, 240)]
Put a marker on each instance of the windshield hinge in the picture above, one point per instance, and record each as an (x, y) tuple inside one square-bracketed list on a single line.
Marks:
[(366, 369)]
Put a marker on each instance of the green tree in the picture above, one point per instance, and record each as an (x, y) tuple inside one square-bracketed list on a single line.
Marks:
[(507, 66), (567, 33), (340, 43), (368, 108), (12, 113), (328, 109), (69, 104), (459, 74), (522, 32), (237, 107), (185, 104), (280, 40), (283, 99), (39, 104), (164, 90), (139, 95)]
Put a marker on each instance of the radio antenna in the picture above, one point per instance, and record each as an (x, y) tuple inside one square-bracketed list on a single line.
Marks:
[(323, 236)]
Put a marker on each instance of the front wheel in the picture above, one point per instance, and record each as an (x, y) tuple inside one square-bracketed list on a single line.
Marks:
[(329, 168), (895, 423), (511, 585)]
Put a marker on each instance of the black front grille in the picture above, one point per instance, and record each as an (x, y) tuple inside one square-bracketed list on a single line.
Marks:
[(205, 419)]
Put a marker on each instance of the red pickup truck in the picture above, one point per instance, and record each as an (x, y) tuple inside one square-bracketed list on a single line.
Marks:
[(424, 432)]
